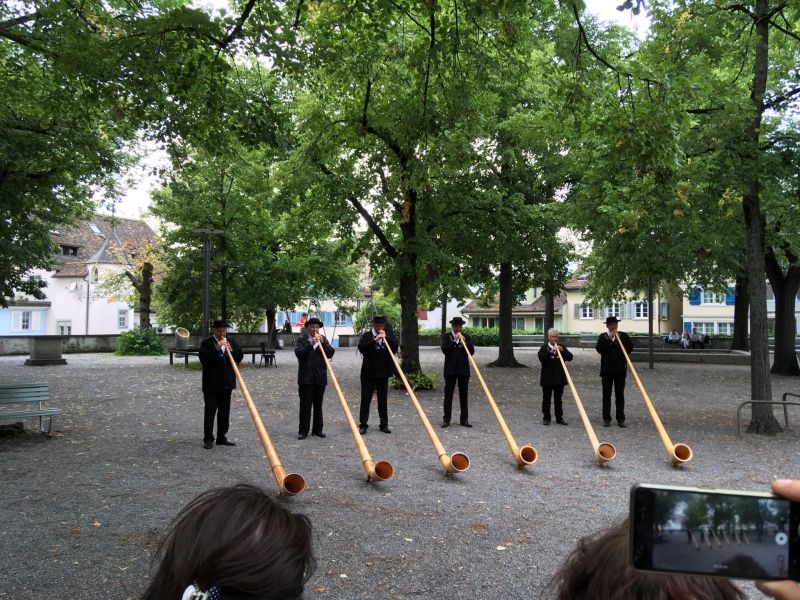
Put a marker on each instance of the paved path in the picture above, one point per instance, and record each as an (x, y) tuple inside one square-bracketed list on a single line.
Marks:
[(81, 513)]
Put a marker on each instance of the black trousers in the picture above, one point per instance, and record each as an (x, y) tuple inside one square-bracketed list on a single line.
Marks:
[(449, 389), (369, 386), (556, 391), (311, 396), (617, 380), (219, 404)]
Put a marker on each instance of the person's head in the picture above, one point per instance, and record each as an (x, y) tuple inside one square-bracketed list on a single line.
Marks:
[(598, 568), (674, 330), (457, 323), (612, 323), (220, 329), (552, 335), (239, 541), (379, 323), (313, 325)]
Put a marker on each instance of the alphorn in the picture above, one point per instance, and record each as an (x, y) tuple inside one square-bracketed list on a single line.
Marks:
[(458, 461), (526, 455), (603, 451), (288, 484), (380, 471), (679, 454)]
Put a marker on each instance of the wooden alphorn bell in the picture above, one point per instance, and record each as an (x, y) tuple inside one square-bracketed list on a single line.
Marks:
[(288, 484), (526, 455), (380, 471), (603, 451), (455, 463), (679, 454)]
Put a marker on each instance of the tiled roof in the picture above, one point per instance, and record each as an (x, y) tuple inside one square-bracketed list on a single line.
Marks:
[(535, 308), (110, 244)]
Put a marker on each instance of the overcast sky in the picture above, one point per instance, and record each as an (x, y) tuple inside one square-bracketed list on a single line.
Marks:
[(135, 202)]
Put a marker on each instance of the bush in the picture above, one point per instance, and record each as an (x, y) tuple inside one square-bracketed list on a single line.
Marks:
[(485, 336), (417, 381), (137, 342)]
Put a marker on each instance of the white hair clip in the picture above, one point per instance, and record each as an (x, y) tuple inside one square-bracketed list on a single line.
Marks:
[(194, 593)]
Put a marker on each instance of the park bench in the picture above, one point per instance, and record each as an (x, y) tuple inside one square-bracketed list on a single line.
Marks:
[(25, 400), (187, 352)]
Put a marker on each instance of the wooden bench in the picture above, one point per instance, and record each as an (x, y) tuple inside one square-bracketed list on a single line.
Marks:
[(27, 394), (187, 352)]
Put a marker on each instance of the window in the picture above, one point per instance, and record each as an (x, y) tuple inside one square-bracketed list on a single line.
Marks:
[(587, 312), (94, 228), (95, 275), (704, 327), (613, 310), (712, 298), (518, 323), (122, 319), (640, 310), (490, 322), (64, 327), (25, 320), (69, 250), (538, 323), (341, 318), (725, 328)]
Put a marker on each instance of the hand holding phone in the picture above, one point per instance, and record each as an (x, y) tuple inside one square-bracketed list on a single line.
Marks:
[(783, 590), (744, 535)]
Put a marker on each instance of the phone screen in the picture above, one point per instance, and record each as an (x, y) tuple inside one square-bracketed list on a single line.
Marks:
[(713, 533)]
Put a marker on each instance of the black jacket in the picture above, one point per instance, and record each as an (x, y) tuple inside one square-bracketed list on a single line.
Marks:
[(311, 369), (456, 363), (612, 361), (377, 363), (552, 371), (218, 374)]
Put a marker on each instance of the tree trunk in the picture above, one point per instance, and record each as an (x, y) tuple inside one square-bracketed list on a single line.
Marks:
[(272, 332), (549, 312), (763, 419), (223, 294), (145, 290), (741, 337), (407, 261), (505, 356), (785, 288), (444, 313)]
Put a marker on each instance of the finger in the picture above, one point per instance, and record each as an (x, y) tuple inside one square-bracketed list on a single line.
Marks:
[(783, 590), (788, 488)]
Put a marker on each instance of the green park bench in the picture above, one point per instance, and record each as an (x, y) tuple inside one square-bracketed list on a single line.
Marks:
[(25, 400)]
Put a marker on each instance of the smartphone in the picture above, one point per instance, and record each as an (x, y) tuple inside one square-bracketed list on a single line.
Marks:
[(745, 535)]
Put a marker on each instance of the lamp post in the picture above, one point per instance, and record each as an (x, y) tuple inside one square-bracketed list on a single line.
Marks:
[(207, 274)]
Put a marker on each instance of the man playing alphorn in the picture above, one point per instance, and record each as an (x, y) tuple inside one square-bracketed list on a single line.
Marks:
[(553, 379), (613, 369), (312, 377), (376, 369), (219, 381), (456, 370)]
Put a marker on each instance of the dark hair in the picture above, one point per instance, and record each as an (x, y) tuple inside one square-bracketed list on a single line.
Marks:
[(598, 569), (238, 540)]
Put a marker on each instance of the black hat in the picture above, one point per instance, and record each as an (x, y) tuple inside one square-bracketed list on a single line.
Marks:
[(457, 321), (219, 323), (313, 321), (611, 319), (379, 320)]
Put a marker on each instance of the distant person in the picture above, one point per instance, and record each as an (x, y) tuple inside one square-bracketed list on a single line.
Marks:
[(598, 569), (553, 378), (783, 590), (219, 381), (673, 338), (287, 326), (455, 346), (233, 542), (312, 377), (696, 339), (301, 322), (685, 340), (613, 369), (376, 368)]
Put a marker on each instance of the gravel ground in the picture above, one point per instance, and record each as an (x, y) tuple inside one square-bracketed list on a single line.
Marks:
[(82, 512)]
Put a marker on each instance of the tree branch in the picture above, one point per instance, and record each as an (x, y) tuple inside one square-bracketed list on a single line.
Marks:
[(237, 29)]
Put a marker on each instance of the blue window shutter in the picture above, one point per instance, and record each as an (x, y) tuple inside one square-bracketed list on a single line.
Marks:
[(694, 296), (730, 297), (687, 326)]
